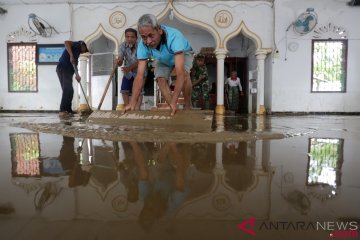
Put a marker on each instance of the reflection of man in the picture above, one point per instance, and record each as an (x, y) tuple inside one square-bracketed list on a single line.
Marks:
[(71, 165), (199, 78), (67, 155), (162, 185), (170, 49)]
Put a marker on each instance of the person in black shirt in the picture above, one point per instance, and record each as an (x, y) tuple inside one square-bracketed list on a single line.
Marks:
[(65, 71)]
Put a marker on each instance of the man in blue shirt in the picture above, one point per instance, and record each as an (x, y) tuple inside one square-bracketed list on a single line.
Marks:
[(65, 71), (170, 49)]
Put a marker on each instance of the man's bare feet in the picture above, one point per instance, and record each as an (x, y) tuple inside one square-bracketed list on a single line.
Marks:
[(173, 109), (187, 107)]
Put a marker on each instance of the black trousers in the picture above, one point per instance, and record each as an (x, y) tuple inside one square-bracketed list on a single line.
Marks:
[(65, 78)]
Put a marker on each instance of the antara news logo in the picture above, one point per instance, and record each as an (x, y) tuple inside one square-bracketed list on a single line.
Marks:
[(348, 229)]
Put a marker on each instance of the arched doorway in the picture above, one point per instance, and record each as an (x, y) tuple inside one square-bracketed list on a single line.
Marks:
[(101, 65), (199, 39), (104, 47), (241, 58)]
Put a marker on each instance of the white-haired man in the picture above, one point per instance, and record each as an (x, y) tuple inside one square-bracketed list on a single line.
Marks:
[(170, 49)]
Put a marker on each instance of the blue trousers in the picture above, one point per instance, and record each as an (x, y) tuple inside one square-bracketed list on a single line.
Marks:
[(65, 78)]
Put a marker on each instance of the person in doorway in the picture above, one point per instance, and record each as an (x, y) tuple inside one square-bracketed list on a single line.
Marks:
[(200, 83), (170, 49), (127, 55), (233, 88), (65, 71)]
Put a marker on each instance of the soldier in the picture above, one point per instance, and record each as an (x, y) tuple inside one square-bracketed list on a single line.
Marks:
[(199, 78)]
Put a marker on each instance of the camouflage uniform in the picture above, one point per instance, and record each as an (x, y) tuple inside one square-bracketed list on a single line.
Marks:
[(200, 92)]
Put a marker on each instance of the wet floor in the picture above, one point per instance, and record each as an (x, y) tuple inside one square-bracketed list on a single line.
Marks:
[(274, 177)]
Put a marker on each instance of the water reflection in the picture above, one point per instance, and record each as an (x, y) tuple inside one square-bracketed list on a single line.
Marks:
[(176, 187), (25, 153), (155, 179)]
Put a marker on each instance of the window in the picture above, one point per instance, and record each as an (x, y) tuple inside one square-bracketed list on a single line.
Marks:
[(22, 69), (329, 63)]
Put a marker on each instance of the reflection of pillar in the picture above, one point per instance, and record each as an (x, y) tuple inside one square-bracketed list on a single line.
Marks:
[(83, 71), (260, 107), (220, 56), (259, 154), (90, 150), (219, 168), (266, 164), (220, 123), (84, 154), (120, 106)]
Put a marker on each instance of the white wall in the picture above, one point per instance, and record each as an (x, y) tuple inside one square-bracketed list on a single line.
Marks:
[(85, 19), (49, 90), (291, 78)]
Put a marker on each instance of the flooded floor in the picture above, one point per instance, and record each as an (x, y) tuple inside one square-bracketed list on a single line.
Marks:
[(230, 177)]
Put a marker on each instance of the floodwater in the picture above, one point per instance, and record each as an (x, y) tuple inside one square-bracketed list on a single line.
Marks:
[(231, 177)]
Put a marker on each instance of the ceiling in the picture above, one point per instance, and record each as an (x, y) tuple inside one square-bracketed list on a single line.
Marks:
[(21, 2)]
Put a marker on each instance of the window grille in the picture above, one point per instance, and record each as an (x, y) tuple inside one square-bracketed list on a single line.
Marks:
[(325, 161), (329, 64), (22, 68)]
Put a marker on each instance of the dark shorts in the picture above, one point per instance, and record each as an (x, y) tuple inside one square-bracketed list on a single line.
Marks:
[(127, 84)]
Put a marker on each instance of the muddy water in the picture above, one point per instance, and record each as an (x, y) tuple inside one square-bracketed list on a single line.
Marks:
[(75, 179)]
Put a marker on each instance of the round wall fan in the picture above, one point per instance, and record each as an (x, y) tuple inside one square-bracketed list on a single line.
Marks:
[(306, 22), (39, 26)]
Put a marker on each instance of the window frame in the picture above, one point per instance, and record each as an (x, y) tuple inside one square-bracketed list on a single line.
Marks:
[(8, 65), (346, 45)]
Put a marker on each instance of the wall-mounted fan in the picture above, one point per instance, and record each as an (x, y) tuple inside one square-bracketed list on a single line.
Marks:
[(305, 23), (39, 26)]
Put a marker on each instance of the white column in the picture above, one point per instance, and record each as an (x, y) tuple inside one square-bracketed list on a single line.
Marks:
[(120, 106), (83, 71), (260, 57), (220, 56)]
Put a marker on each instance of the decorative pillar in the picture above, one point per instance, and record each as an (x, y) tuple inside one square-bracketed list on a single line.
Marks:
[(83, 71), (220, 56), (120, 106), (260, 57)]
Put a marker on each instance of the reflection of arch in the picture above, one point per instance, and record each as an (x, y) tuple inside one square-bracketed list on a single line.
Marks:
[(98, 32), (104, 174), (243, 29)]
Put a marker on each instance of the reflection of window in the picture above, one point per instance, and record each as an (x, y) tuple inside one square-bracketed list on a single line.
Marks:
[(52, 167), (329, 65), (25, 153), (325, 161), (22, 69)]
